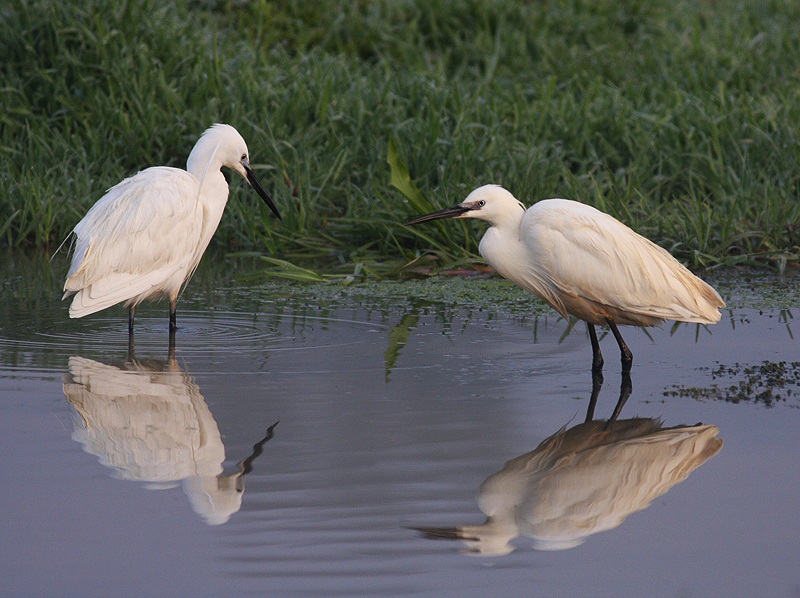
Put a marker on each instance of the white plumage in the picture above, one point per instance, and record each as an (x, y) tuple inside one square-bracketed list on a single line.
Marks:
[(585, 263), (145, 237)]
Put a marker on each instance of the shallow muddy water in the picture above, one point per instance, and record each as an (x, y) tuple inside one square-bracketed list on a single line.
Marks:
[(159, 476)]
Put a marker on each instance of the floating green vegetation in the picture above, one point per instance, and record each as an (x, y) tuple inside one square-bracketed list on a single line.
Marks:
[(767, 383), (756, 288), (480, 293)]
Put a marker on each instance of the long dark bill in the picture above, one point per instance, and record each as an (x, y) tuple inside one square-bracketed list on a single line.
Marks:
[(439, 214), (251, 178)]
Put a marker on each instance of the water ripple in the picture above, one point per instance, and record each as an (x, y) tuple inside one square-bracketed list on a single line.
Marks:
[(51, 338)]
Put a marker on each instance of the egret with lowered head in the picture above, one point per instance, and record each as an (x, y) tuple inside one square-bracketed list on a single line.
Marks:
[(144, 238), (586, 263)]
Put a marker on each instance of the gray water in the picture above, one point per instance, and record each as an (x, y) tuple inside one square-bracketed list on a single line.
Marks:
[(153, 476)]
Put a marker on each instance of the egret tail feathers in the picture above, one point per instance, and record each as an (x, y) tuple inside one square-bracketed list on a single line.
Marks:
[(119, 287)]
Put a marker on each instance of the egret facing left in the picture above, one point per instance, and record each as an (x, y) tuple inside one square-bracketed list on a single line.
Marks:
[(144, 238)]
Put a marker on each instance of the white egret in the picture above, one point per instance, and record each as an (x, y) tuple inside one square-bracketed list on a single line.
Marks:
[(586, 263), (144, 238)]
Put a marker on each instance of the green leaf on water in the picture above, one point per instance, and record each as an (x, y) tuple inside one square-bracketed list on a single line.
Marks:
[(398, 337)]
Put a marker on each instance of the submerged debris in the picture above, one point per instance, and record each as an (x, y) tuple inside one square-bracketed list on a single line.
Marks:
[(767, 383)]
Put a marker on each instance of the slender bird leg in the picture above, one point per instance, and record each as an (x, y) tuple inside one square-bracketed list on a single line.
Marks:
[(627, 356), (131, 312), (597, 356), (625, 390), (597, 384), (171, 346), (173, 315), (131, 347)]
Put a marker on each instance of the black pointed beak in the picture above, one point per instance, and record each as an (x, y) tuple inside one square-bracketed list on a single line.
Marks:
[(452, 212), (251, 178)]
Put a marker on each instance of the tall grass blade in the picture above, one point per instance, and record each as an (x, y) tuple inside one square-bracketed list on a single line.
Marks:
[(401, 180), (291, 271)]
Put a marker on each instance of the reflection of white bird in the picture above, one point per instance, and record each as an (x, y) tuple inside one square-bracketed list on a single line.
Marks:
[(584, 262), (582, 481), (145, 237), (149, 423)]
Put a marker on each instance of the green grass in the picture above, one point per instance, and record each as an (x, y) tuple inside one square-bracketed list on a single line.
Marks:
[(680, 118)]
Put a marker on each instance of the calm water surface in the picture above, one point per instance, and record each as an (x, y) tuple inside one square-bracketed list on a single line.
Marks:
[(166, 476)]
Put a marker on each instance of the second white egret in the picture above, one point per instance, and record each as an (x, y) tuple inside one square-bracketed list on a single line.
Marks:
[(586, 263), (144, 238)]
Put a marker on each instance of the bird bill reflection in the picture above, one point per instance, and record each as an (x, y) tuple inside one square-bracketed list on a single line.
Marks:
[(148, 422)]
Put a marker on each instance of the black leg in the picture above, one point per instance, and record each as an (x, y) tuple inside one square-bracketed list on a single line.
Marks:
[(173, 316), (131, 312), (131, 347), (597, 356), (625, 390), (171, 346), (627, 356), (597, 384)]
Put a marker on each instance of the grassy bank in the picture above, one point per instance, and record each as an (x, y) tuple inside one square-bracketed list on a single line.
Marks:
[(679, 118)]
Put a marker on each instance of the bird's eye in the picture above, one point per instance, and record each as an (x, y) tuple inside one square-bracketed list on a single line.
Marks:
[(244, 157), (481, 203)]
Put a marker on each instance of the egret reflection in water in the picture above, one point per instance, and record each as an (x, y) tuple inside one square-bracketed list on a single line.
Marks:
[(581, 481), (148, 422)]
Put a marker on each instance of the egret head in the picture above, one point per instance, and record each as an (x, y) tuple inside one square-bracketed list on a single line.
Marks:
[(223, 144), (491, 203)]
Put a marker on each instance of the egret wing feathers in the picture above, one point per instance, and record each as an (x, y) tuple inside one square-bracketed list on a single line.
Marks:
[(117, 242), (118, 287), (585, 254)]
